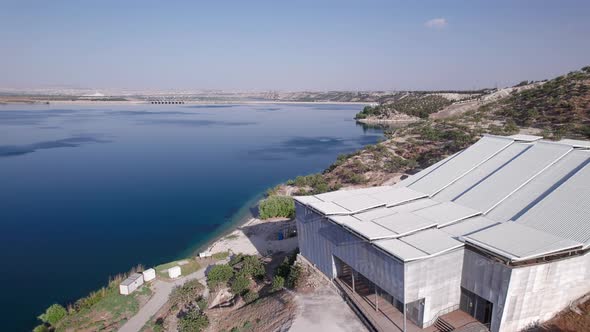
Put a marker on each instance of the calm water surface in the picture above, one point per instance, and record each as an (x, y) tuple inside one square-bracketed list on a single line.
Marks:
[(89, 191)]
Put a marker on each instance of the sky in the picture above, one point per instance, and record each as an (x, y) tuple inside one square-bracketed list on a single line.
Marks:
[(289, 45)]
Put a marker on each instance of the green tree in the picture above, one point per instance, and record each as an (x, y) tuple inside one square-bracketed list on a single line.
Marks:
[(240, 284), (193, 321), (53, 314), (219, 275)]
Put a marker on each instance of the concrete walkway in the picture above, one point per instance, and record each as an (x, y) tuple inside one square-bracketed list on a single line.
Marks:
[(162, 290), (324, 310)]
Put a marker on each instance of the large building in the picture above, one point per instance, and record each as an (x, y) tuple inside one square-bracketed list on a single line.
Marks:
[(499, 231)]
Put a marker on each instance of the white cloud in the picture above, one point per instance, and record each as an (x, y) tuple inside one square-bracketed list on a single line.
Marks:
[(436, 23)]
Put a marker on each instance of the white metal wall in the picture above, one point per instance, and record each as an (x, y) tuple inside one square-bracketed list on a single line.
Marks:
[(437, 280), (538, 292), (320, 239)]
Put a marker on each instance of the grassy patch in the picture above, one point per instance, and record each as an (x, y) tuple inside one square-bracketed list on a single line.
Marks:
[(187, 266), (107, 314), (224, 254)]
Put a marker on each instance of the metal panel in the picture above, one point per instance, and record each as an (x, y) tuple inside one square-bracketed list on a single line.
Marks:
[(404, 223), (465, 183), (576, 143), (446, 213), (307, 199), (387, 211), (320, 241), (398, 196), (461, 164), (329, 208), (527, 196), (367, 229), (526, 138), (565, 211), (432, 241), (413, 178), (339, 194), (468, 226), (358, 202), (519, 242), (400, 249), (500, 184)]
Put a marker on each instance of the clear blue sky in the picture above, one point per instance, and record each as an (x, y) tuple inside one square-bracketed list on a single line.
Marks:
[(290, 45)]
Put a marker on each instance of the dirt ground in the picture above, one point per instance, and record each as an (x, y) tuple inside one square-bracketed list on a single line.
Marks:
[(272, 313), (574, 319)]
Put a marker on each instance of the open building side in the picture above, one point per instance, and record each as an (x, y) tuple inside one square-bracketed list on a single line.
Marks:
[(499, 231)]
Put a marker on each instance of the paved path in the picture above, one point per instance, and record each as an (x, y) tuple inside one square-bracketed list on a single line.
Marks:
[(162, 290), (324, 310)]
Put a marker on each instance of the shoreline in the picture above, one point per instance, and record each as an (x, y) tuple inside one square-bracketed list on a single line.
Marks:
[(211, 102)]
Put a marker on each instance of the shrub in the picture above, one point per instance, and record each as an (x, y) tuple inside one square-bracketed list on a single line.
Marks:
[(240, 284), (188, 292), (250, 296), (278, 282), (276, 206), (53, 314), (294, 275), (253, 267), (193, 321), (41, 328), (202, 303), (219, 275)]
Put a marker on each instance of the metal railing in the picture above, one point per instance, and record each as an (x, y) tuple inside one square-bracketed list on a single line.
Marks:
[(440, 313)]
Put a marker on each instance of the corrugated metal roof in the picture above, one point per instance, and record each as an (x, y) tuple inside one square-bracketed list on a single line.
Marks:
[(564, 212), (518, 242), (463, 184), (328, 208), (461, 164), (400, 249), (387, 211), (366, 229), (307, 199), (520, 201), (576, 143), (468, 226), (404, 223), (492, 190), (526, 138), (340, 194), (359, 203), (446, 213), (398, 196), (411, 179), (544, 186), (432, 241)]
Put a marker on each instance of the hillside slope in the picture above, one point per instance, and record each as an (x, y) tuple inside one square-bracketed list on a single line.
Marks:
[(555, 109)]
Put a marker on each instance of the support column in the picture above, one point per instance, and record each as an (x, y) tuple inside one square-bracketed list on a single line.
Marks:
[(353, 290), (376, 299)]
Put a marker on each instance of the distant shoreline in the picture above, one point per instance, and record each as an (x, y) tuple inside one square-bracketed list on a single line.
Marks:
[(213, 102)]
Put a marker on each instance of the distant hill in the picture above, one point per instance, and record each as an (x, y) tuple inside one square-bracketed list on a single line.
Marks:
[(447, 122)]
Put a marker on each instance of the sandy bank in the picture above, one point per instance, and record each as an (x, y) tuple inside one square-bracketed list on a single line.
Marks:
[(255, 237)]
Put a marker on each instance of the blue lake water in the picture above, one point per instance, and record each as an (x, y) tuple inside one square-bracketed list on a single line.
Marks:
[(89, 191)]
